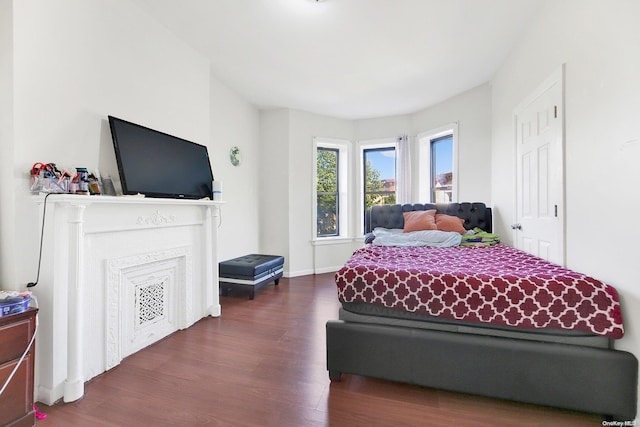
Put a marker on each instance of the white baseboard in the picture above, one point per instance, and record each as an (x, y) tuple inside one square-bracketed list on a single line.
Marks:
[(298, 273), (310, 272), (327, 269)]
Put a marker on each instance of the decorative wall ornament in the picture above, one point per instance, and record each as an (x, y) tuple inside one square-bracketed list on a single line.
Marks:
[(234, 156), (156, 219)]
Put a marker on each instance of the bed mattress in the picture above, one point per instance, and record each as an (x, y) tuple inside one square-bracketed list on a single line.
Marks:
[(377, 315), (497, 285)]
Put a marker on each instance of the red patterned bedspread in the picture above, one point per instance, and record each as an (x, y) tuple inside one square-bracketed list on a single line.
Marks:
[(497, 284)]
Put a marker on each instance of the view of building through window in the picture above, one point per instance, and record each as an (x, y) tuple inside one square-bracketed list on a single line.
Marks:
[(442, 169), (379, 176), (328, 202)]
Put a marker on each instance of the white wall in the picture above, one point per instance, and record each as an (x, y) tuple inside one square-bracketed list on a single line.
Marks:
[(235, 122), (78, 61), (8, 233), (382, 127), (273, 186), (599, 43)]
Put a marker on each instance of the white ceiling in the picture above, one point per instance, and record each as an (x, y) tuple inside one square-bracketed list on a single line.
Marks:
[(349, 58)]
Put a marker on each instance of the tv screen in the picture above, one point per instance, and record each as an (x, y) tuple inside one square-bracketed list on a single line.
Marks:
[(159, 165)]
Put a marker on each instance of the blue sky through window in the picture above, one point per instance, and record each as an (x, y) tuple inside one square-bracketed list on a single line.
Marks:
[(444, 153), (384, 162)]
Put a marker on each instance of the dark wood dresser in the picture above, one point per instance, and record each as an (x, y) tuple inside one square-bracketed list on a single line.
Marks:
[(16, 403)]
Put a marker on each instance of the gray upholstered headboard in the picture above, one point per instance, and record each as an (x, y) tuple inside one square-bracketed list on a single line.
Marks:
[(390, 216)]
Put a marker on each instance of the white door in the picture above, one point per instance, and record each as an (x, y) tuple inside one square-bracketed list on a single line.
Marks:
[(539, 227)]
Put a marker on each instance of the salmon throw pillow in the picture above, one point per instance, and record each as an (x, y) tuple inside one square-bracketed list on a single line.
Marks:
[(450, 223), (419, 220)]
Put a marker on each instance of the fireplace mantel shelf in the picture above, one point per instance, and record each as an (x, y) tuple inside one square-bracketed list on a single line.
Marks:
[(123, 200)]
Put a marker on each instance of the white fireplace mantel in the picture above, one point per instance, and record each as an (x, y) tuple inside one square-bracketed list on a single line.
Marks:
[(118, 273)]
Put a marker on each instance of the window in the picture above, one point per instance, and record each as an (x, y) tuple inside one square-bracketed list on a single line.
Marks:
[(330, 191), (379, 166), (375, 177), (327, 193), (442, 169), (437, 166)]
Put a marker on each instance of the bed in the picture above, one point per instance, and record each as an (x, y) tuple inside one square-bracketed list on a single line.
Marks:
[(480, 319)]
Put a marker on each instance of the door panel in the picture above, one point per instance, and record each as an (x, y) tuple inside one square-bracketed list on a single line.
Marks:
[(539, 227)]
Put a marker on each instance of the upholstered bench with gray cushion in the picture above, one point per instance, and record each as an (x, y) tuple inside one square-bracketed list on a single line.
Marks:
[(250, 272)]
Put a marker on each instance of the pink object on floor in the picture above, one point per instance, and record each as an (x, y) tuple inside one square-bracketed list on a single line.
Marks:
[(39, 415)]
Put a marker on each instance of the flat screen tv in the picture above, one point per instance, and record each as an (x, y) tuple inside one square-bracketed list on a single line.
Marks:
[(156, 164)]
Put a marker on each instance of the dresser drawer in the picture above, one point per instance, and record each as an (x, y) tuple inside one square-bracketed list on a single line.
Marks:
[(15, 338), (16, 403)]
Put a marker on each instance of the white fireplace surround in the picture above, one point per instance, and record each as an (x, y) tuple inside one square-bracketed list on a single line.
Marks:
[(118, 274)]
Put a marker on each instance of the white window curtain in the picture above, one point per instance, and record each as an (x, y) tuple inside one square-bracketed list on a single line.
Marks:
[(403, 170)]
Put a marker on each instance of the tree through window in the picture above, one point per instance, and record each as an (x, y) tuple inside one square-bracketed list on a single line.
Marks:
[(379, 176), (328, 197)]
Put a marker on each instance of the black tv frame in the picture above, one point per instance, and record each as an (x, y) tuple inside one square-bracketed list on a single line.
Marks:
[(171, 166)]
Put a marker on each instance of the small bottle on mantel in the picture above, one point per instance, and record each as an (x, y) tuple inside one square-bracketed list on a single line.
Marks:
[(83, 181)]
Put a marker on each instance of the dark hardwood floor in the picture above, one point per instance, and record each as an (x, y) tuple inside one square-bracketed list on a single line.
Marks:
[(262, 363)]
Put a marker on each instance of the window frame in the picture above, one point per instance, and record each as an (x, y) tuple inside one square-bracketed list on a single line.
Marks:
[(343, 148), (425, 189), (391, 142)]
